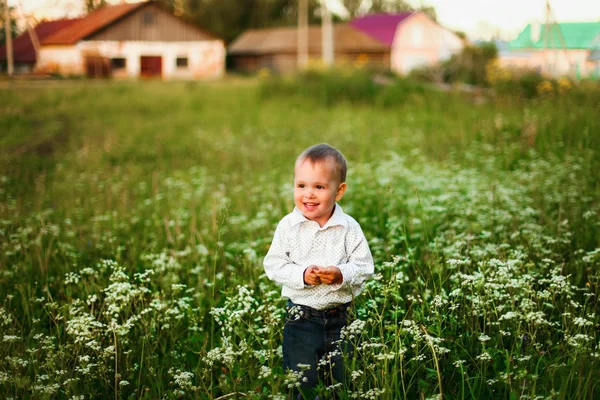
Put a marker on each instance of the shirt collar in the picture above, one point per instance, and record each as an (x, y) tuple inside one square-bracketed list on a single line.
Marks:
[(338, 218)]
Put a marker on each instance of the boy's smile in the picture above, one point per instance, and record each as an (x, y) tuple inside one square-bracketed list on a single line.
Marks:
[(316, 189)]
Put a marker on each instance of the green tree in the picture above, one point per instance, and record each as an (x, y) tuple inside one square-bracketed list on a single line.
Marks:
[(360, 7), (461, 35), (354, 7), (389, 6), (91, 5), (229, 18), (469, 65), (430, 12), (13, 24)]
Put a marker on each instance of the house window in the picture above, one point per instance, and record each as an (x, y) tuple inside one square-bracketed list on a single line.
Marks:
[(182, 62), (148, 17), (118, 63)]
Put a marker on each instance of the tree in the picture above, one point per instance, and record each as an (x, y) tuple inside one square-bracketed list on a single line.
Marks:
[(469, 66), (13, 23), (430, 12), (461, 35), (360, 7), (229, 18), (354, 7), (389, 6), (91, 5)]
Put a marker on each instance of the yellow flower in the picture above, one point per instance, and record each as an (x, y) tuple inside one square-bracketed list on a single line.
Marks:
[(564, 85), (495, 73), (545, 87), (316, 64), (264, 72), (361, 60)]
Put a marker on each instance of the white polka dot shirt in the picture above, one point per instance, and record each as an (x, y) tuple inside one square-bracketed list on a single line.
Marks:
[(299, 243)]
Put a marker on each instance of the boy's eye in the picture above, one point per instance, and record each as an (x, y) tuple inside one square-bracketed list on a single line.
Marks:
[(301, 185), (320, 187)]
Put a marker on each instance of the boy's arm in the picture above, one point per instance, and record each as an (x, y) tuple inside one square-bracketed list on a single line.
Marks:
[(278, 265), (359, 266)]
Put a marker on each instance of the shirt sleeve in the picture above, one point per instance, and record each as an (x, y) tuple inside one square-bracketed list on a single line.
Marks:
[(359, 266), (278, 265)]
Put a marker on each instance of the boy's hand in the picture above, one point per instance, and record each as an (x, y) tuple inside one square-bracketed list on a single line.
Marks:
[(310, 275), (330, 275)]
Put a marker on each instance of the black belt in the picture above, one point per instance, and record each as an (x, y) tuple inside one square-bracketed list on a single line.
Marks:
[(326, 313)]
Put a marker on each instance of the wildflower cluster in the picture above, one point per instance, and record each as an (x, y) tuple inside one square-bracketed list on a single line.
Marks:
[(131, 258)]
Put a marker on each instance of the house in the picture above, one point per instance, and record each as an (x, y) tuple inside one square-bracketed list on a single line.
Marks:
[(277, 48), (415, 40), (399, 42), (24, 54), (132, 40), (556, 49)]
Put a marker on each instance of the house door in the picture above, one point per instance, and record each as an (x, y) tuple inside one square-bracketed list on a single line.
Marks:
[(97, 67), (151, 66)]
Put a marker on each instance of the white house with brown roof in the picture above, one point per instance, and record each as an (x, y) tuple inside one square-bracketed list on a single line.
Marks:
[(132, 40), (398, 42), (277, 48)]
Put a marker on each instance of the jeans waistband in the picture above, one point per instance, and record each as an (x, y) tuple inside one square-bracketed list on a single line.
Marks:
[(326, 313)]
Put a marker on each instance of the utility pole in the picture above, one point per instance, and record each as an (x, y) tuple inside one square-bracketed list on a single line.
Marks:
[(550, 42), (35, 40), (327, 34), (302, 33), (9, 47)]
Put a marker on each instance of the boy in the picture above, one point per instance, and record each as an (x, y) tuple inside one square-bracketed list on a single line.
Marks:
[(321, 257)]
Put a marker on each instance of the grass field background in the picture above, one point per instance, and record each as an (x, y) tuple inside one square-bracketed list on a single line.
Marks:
[(134, 217)]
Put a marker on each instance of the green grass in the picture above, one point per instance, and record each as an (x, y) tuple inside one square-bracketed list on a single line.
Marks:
[(134, 217)]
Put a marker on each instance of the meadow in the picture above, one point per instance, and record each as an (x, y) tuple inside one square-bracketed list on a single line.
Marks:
[(134, 217)]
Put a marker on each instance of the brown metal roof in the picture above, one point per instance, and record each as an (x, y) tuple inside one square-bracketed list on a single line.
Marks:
[(23, 49), (285, 40), (93, 22)]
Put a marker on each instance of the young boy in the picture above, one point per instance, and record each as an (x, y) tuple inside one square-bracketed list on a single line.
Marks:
[(321, 257)]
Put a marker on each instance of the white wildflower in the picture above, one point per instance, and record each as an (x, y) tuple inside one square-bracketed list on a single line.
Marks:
[(265, 372), (582, 322), (353, 330), (484, 338)]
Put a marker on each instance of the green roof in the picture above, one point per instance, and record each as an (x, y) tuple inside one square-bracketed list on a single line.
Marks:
[(576, 35)]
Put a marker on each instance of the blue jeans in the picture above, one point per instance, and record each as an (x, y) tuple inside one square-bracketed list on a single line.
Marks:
[(312, 337)]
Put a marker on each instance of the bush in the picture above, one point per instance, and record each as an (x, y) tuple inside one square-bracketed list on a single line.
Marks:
[(469, 66), (354, 86)]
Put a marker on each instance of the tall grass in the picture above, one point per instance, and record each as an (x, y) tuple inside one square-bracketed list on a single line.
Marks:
[(134, 218)]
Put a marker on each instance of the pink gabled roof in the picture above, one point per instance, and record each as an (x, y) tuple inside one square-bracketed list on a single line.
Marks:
[(91, 23), (380, 26), (23, 50)]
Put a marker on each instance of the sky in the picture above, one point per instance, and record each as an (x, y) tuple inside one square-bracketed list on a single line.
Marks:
[(479, 19), (509, 16)]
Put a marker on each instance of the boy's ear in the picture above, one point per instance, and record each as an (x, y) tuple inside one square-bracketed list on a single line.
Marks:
[(341, 190)]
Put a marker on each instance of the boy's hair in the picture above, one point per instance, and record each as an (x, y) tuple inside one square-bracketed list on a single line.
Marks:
[(322, 152)]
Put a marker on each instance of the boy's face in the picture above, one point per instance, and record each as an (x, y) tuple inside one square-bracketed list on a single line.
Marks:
[(316, 189)]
